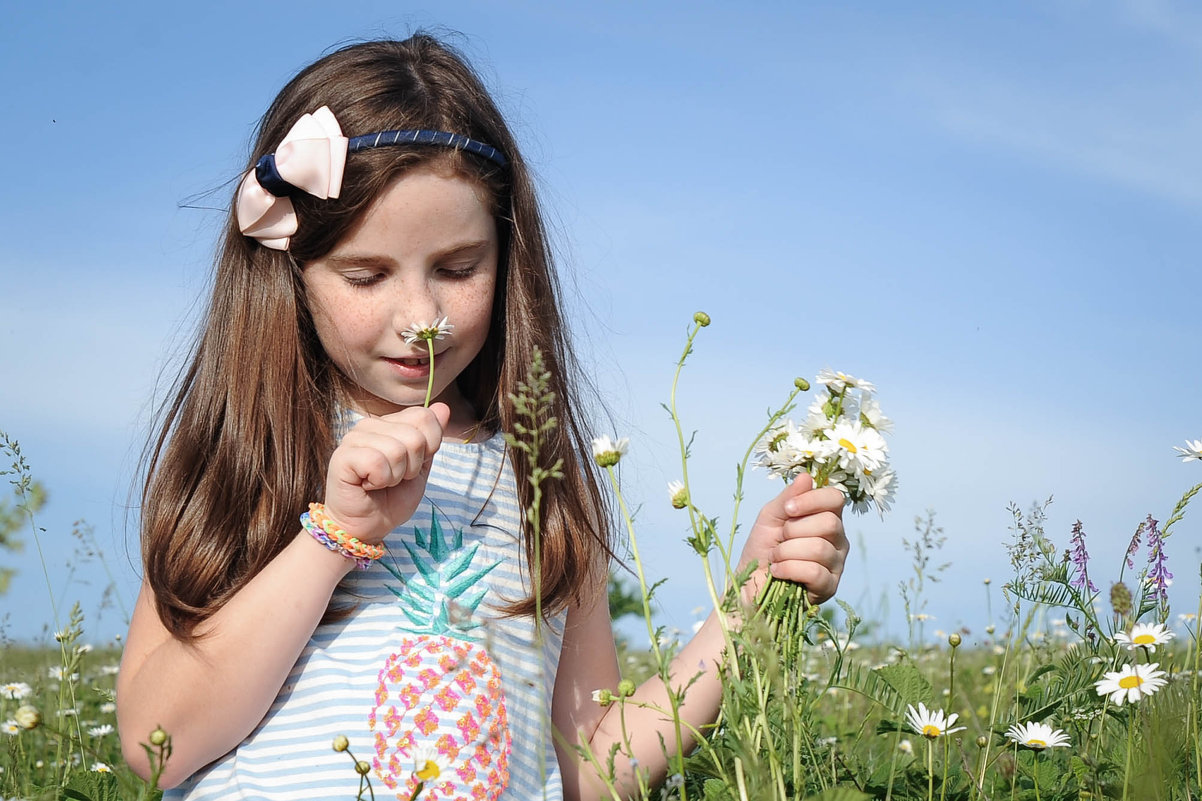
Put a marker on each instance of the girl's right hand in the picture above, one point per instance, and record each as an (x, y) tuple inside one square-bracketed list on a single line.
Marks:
[(378, 473)]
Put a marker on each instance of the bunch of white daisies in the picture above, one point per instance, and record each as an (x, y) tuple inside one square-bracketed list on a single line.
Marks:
[(840, 443)]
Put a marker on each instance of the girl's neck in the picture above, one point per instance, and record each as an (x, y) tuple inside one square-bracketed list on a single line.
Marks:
[(464, 425)]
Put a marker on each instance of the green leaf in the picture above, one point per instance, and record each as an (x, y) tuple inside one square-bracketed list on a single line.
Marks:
[(911, 686), (840, 794), (92, 786)]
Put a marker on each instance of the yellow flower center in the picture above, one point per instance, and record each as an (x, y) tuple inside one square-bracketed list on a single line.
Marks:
[(1144, 639), (931, 731), (428, 771), (1033, 743), (847, 445), (1127, 682)]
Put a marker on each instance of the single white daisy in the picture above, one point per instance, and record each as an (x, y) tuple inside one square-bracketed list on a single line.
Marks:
[(860, 449), (871, 415), (931, 723), (100, 731), (905, 746), (678, 495), (100, 767), (10, 727), (607, 452), (108, 707), (1144, 635), (1131, 683), (15, 690), (1191, 451), (425, 332), (1037, 736), (427, 764), (837, 381)]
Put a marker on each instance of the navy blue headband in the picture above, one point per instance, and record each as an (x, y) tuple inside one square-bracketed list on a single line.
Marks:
[(270, 179), (420, 137)]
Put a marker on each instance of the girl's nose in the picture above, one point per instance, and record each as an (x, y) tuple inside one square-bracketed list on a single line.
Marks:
[(416, 305)]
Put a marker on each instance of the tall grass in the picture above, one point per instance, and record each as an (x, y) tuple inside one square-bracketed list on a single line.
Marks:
[(835, 717)]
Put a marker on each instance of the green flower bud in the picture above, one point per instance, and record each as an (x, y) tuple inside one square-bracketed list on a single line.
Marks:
[(982, 741), (1120, 599), (603, 697), (954, 640), (626, 688), (362, 768), (158, 737), (701, 318), (341, 743), (801, 384)]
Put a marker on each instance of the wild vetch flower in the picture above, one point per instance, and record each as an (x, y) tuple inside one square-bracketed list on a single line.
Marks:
[(606, 452), (1037, 736), (1144, 635), (15, 690), (1158, 572), (1191, 451), (1080, 558), (1131, 683), (426, 332), (931, 723), (1133, 546)]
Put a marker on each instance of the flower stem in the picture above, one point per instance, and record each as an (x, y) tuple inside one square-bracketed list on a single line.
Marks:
[(430, 375)]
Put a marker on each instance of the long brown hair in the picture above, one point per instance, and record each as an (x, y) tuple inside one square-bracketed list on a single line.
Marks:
[(245, 440)]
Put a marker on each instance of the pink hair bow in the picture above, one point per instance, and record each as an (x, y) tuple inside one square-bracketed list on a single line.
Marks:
[(310, 158)]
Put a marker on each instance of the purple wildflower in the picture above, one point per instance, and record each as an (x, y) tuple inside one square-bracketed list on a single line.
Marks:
[(1158, 572), (1080, 559), (1134, 546)]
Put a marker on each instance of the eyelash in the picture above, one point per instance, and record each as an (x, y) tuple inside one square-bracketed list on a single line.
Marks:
[(363, 282)]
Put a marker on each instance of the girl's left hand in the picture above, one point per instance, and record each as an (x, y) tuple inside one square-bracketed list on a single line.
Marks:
[(799, 536)]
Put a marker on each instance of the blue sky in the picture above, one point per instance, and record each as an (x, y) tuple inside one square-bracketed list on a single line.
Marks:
[(993, 211)]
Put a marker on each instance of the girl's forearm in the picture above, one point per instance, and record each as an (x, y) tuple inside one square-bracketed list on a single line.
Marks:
[(639, 723), (210, 694)]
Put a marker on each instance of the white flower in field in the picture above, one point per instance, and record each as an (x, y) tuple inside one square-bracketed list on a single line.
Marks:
[(10, 727), (905, 746), (100, 767), (15, 690), (1037, 736), (1144, 635), (100, 731), (85, 648), (677, 494), (108, 707), (880, 488), (837, 381), (27, 716), (1191, 451), (109, 670), (427, 332), (607, 452), (1131, 683), (931, 723), (69, 712), (56, 672)]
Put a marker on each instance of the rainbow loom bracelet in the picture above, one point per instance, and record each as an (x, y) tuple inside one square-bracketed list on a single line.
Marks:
[(317, 513), (362, 562)]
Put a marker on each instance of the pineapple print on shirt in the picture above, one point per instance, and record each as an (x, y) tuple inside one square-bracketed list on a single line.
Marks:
[(439, 716)]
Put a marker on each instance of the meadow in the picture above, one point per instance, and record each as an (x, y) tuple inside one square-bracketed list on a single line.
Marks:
[(1085, 685)]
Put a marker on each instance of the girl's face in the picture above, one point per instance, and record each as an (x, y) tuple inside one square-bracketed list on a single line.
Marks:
[(427, 248)]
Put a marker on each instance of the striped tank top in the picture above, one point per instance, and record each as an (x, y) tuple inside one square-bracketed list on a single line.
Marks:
[(427, 681)]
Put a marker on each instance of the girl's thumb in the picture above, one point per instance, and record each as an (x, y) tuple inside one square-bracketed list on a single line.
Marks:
[(442, 413)]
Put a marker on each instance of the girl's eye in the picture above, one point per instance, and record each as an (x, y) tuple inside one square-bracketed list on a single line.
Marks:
[(460, 271), (360, 279)]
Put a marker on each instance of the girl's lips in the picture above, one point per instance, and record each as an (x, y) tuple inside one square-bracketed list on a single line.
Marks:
[(412, 367)]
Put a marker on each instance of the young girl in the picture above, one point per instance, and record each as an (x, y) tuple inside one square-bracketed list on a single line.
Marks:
[(386, 215)]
